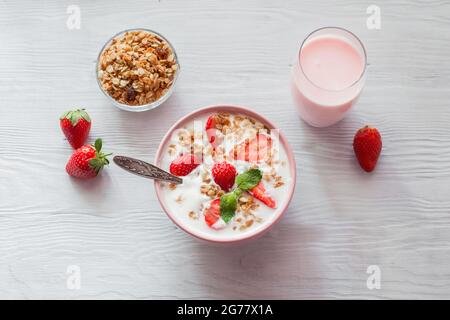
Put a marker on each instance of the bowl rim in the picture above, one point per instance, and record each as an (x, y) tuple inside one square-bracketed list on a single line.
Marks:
[(143, 107), (290, 157)]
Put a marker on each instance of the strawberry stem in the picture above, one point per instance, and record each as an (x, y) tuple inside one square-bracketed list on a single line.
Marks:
[(75, 115), (100, 159)]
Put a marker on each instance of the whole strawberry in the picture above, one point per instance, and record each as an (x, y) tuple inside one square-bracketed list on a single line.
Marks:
[(367, 146), (75, 124), (224, 175), (87, 161)]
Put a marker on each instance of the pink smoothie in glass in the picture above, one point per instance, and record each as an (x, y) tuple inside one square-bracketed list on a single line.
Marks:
[(328, 76)]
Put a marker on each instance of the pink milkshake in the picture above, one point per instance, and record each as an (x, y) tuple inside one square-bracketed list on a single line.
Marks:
[(328, 75)]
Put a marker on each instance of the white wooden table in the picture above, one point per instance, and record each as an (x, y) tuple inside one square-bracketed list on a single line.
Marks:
[(341, 220)]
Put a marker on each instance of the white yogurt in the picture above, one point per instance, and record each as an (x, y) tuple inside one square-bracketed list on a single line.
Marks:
[(187, 203)]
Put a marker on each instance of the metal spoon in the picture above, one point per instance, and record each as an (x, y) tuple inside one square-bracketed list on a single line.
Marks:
[(144, 169)]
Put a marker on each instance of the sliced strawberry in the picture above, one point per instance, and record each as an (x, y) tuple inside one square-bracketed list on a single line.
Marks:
[(259, 148), (212, 132), (184, 164), (212, 214), (253, 150), (259, 192)]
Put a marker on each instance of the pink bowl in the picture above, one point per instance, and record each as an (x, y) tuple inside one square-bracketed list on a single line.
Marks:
[(278, 211)]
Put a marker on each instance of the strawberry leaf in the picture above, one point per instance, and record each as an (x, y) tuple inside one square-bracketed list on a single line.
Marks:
[(98, 145), (95, 163), (100, 159), (76, 115)]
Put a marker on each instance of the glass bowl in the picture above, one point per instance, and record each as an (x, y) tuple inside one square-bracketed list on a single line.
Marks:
[(143, 107)]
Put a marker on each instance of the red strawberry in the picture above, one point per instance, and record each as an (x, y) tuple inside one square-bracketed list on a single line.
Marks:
[(184, 164), (259, 192), (75, 125), (367, 146), (212, 132), (87, 161), (254, 150), (212, 214), (224, 175)]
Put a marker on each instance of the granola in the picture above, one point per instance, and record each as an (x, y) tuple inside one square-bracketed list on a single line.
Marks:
[(137, 68)]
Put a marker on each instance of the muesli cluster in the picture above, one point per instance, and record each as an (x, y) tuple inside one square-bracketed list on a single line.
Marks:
[(137, 68)]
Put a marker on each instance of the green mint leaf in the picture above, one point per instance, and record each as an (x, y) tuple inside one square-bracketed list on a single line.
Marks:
[(248, 179), (228, 205), (237, 192)]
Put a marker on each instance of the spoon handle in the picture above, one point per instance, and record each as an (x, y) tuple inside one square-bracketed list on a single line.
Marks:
[(145, 169)]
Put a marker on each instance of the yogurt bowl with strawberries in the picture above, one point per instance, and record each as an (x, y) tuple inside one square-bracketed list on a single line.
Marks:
[(238, 174)]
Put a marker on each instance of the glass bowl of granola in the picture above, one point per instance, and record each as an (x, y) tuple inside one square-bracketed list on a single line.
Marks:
[(137, 69), (238, 174)]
